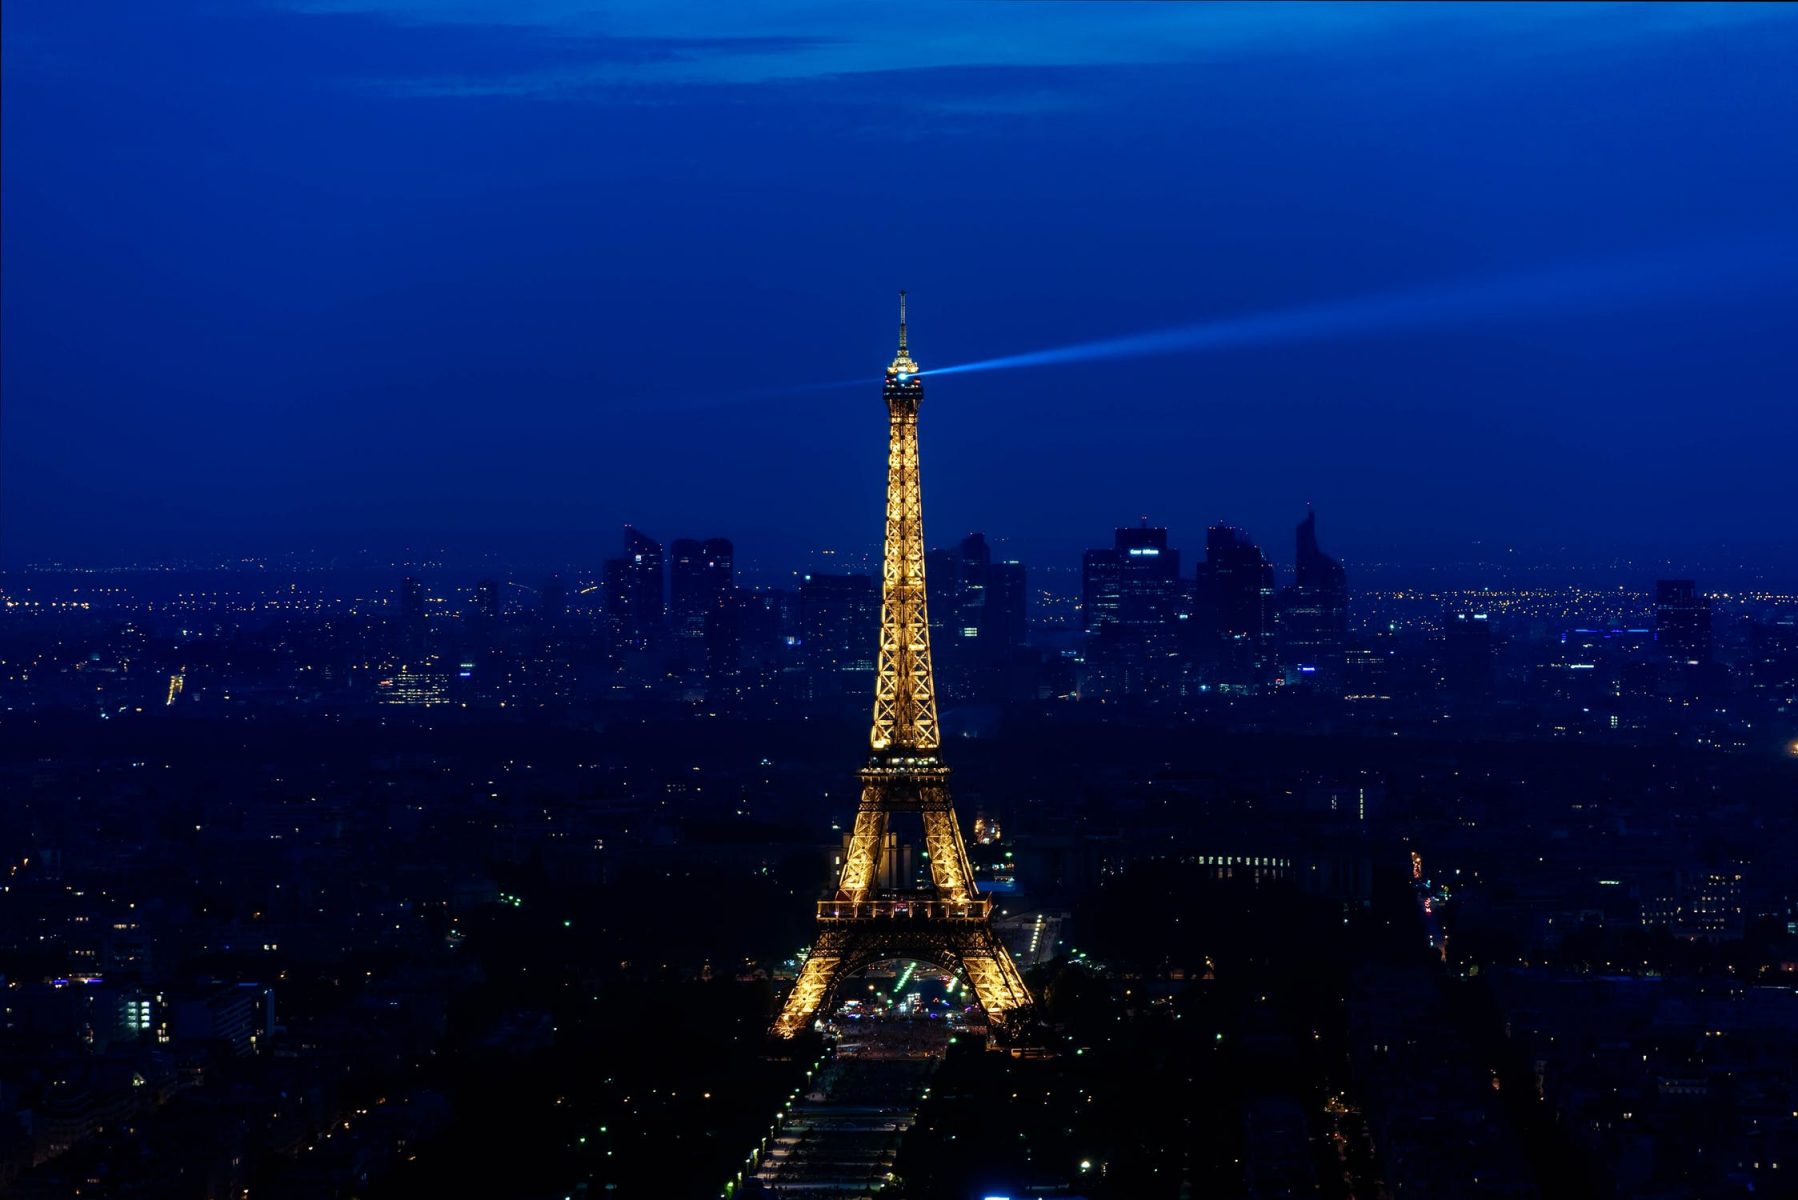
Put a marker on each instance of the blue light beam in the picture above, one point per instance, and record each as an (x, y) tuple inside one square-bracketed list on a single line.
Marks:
[(1593, 290)]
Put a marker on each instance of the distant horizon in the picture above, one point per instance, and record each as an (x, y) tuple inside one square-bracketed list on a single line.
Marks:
[(1724, 567)]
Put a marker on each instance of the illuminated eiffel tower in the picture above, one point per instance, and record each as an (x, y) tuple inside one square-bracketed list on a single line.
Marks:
[(950, 923)]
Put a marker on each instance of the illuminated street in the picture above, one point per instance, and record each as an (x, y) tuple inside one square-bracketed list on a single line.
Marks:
[(842, 1138)]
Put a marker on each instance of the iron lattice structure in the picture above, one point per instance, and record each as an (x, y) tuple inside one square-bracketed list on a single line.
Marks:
[(950, 923)]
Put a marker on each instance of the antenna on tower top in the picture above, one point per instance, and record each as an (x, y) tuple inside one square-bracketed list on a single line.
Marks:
[(902, 320)]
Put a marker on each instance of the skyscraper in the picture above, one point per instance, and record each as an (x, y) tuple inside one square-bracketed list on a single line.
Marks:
[(1100, 573), (742, 644), (942, 583), (633, 586), (1314, 610), (1007, 607), (976, 562), (1134, 602), (1233, 606), (699, 580), (1135, 583), (977, 617)]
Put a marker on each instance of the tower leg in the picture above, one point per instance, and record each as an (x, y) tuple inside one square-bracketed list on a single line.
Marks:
[(996, 981), (949, 868), (863, 861), (816, 979)]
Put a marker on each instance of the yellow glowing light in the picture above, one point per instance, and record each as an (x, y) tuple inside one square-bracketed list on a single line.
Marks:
[(858, 924)]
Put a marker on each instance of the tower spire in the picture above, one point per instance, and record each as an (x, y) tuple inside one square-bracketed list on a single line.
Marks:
[(902, 368)]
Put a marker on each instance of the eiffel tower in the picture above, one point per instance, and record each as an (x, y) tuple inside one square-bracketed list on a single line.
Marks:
[(950, 923)]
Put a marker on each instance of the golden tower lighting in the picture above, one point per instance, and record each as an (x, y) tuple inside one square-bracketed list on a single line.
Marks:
[(948, 924)]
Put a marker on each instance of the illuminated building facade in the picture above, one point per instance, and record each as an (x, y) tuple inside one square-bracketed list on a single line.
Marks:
[(1134, 584), (416, 685), (948, 924)]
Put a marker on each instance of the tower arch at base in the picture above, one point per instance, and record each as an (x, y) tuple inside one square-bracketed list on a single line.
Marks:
[(973, 956)]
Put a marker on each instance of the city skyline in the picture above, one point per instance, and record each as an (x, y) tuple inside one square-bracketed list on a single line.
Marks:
[(1264, 820), (1283, 687), (532, 556)]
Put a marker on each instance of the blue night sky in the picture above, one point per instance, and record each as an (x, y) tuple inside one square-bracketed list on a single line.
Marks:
[(504, 275)]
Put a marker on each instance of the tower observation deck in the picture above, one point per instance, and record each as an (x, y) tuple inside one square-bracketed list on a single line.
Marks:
[(949, 924)]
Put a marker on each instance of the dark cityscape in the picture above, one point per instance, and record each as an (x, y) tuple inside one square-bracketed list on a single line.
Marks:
[(481, 716)]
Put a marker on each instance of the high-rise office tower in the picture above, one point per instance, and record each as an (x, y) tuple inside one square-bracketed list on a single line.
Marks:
[(1682, 621), (1006, 671), (1234, 606), (1134, 604), (744, 644), (699, 579), (1007, 606), (976, 562), (1000, 612), (633, 586), (1100, 572), (1314, 610), (685, 594), (1135, 583), (976, 616), (942, 582)]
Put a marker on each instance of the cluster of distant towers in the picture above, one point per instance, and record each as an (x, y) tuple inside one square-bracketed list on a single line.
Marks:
[(1147, 625), (700, 576)]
